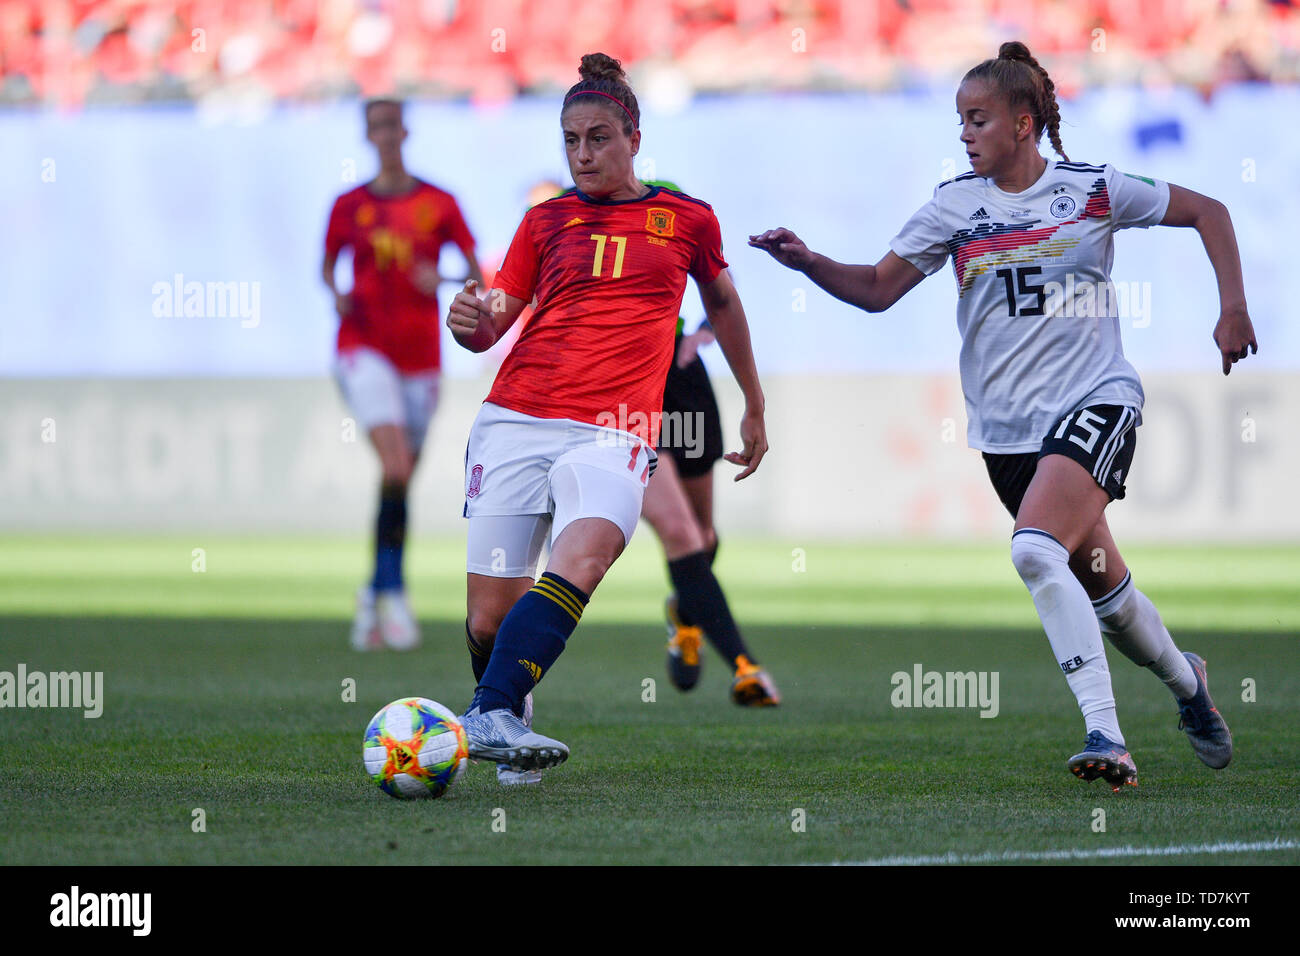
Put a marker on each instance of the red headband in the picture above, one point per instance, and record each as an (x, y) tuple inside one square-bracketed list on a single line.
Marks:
[(608, 97)]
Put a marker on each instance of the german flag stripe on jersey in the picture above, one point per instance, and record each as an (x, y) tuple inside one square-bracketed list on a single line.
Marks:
[(974, 250)]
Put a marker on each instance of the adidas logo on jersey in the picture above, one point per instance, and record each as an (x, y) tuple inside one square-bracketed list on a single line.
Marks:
[(575, 221), (979, 214)]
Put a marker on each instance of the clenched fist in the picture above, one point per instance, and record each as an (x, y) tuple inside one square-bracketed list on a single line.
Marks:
[(470, 319)]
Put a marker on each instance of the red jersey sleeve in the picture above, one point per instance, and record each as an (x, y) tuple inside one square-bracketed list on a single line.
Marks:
[(457, 231), (707, 262), (518, 273), (336, 235)]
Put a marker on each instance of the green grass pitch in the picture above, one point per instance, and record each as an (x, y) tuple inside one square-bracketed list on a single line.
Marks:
[(224, 691)]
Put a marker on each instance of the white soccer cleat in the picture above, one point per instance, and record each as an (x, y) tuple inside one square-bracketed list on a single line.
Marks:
[(501, 737), (513, 778), (397, 624), (365, 624)]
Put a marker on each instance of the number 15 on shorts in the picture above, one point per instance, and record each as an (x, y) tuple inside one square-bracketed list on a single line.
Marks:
[(1084, 421)]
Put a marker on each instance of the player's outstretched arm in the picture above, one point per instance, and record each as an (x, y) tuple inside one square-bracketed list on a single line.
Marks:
[(873, 288), (1233, 333), (478, 324), (731, 329)]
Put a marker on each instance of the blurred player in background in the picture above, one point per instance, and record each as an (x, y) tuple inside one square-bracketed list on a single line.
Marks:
[(1051, 400), (564, 445), (388, 345), (678, 505)]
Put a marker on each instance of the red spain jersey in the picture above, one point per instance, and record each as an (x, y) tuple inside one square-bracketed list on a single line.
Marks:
[(608, 276), (388, 236)]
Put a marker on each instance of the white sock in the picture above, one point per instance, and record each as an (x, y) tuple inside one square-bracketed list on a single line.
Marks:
[(1071, 626), (1131, 622)]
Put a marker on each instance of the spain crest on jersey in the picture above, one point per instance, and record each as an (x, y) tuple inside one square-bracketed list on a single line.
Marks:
[(365, 215), (659, 221)]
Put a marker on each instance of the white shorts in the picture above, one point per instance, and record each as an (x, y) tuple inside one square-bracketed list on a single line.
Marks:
[(527, 478), (378, 394)]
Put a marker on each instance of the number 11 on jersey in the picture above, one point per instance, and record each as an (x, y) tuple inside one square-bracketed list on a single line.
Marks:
[(620, 242)]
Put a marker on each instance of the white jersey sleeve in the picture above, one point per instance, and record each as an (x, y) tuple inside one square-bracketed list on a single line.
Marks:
[(921, 241), (1135, 201)]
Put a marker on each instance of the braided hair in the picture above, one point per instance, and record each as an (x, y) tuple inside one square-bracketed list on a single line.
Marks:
[(603, 78), (1023, 82)]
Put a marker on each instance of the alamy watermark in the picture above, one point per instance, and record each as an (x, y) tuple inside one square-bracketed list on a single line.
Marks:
[(683, 430), (1086, 299), (208, 300), (36, 689), (922, 688), (76, 909)]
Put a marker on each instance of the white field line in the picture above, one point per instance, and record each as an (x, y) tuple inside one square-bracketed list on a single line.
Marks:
[(1101, 853)]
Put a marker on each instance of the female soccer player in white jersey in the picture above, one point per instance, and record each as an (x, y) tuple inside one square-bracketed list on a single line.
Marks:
[(1051, 401), (564, 443)]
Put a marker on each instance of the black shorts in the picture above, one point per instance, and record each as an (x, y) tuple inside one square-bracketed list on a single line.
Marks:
[(1100, 437), (691, 429)]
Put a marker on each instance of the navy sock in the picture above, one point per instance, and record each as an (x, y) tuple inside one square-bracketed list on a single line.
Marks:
[(390, 537), (700, 596), (478, 658), (529, 641)]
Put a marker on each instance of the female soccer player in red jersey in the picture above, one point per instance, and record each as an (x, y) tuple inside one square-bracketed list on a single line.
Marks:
[(388, 344), (564, 444), (1050, 399)]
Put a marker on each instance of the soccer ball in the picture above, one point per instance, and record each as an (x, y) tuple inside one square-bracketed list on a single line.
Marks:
[(414, 747)]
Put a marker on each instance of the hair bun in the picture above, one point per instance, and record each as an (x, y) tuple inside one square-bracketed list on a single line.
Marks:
[(599, 66), (1015, 50)]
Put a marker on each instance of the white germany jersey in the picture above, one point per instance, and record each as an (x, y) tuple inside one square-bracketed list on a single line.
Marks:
[(1035, 306)]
